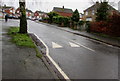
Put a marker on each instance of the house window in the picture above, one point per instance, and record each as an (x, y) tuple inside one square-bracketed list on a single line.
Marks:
[(11, 11), (86, 13), (93, 12), (89, 19), (26, 12), (17, 11), (37, 17)]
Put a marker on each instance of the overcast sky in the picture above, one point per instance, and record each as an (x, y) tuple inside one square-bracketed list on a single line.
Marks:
[(47, 5)]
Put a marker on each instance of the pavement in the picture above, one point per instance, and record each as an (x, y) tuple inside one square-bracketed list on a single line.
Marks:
[(21, 63)]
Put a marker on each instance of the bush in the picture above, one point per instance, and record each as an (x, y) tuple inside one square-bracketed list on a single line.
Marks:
[(51, 15), (114, 25), (111, 27), (80, 23), (46, 20), (100, 27), (87, 26), (62, 21)]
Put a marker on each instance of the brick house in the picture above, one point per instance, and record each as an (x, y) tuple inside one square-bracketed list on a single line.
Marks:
[(63, 11), (81, 16), (29, 13), (17, 12), (90, 13), (40, 15), (7, 10)]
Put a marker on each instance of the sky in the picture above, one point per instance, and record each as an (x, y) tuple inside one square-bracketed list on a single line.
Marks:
[(47, 5)]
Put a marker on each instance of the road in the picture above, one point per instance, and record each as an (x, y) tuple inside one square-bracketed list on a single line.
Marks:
[(77, 56)]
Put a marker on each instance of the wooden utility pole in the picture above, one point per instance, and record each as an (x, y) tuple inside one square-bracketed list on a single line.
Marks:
[(23, 20)]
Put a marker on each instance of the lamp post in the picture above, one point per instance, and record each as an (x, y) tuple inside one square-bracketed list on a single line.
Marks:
[(23, 20)]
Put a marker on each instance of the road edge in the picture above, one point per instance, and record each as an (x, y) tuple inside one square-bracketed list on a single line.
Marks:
[(47, 59), (93, 38)]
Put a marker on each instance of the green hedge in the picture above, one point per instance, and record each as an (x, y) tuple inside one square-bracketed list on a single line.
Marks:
[(62, 21)]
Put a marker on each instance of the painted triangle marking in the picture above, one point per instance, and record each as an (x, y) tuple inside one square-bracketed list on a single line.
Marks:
[(73, 44), (55, 45)]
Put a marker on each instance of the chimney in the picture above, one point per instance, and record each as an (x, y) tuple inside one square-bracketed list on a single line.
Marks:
[(63, 7), (5, 5), (97, 2)]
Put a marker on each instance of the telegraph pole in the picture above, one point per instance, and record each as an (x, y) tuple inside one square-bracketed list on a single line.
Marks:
[(23, 20)]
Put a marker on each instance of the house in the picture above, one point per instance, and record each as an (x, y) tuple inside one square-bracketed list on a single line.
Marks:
[(17, 12), (81, 16), (29, 13), (7, 10), (40, 15), (63, 11), (90, 13)]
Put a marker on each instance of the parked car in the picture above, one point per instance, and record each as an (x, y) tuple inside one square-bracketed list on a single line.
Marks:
[(10, 17), (13, 17)]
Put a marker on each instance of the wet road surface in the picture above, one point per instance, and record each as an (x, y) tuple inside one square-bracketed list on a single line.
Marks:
[(78, 57)]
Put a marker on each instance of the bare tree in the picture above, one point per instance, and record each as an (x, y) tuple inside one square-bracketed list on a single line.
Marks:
[(112, 3)]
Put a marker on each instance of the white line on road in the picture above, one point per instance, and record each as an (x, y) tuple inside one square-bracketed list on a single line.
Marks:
[(55, 64), (55, 45), (73, 45), (80, 44), (83, 46)]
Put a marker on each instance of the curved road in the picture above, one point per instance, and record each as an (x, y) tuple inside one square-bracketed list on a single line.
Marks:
[(78, 57)]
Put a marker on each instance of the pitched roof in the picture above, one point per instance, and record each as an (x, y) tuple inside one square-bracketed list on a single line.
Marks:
[(27, 10), (93, 6), (41, 12), (97, 5), (65, 10), (6, 7)]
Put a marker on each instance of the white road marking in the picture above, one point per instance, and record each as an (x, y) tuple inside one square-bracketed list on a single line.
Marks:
[(73, 45), (55, 45), (80, 44), (83, 46), (55, 64)]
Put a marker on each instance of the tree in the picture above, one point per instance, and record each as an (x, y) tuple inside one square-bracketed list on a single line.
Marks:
[(23, 21), (75, 17), (111, 2), (51, 15), (102, 12)]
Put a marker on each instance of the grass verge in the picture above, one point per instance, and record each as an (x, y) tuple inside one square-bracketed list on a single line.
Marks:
[(22, 40)]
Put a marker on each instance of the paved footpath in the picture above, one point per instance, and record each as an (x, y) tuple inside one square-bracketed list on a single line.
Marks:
[(21, 62)]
